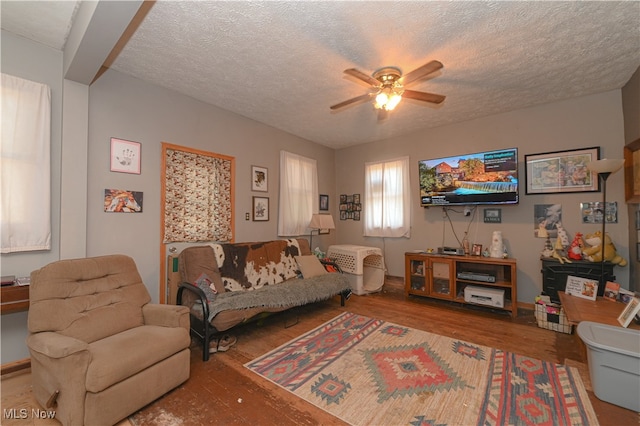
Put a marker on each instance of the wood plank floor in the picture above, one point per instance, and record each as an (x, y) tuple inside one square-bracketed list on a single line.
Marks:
[(223, 392)]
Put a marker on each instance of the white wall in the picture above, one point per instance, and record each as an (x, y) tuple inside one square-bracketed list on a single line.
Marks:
[(36, 62), (124, 107), (577, 123)]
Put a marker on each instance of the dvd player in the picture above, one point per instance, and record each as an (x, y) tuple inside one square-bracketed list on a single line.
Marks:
[(476, 276), (459, 251)]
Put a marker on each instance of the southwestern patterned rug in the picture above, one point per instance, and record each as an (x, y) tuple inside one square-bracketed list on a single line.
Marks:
[(371, 372)]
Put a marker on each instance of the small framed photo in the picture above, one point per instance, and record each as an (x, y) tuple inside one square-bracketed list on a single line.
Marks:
[(593, 212), (259, 179), (125, 156), (476, 250), (324, 202), (122, 201), (260, 209), (631, 310), (582, 287)]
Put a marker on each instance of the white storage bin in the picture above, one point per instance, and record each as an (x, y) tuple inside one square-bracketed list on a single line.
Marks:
[(364, 266), (614, 362)]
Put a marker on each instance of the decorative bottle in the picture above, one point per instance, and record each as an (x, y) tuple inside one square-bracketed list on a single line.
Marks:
[(465, 244)]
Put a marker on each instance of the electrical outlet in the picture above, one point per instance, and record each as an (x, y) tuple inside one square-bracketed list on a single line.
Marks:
[(246, 216)]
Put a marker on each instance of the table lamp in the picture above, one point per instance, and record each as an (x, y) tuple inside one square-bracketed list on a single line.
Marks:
[(318, 222)]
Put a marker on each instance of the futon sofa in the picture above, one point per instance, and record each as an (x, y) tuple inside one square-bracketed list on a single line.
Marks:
[(228, 284), (99, 349)]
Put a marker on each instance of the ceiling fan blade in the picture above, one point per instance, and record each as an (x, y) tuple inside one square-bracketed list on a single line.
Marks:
[(423, 96), (421, 72), (362, 76), (360, 98)]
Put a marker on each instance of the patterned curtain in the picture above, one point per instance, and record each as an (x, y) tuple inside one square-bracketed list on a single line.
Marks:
[(198, 197)]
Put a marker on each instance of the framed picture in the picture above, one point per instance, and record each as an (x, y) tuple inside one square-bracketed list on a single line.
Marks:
[(125, 156), (351, 207), (323, 231), (122, 201), (259, 179), (324, 202), (632, 172), (546, 217), (492, 216), (260, 209), (476, 249), (561, 172), (582, 287), (630, 311), (593, 212)]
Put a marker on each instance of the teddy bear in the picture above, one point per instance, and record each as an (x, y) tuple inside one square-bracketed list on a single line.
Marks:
[(593, 249)]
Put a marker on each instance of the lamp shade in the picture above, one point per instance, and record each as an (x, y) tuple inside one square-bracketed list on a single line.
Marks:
[(605, 165), (322, 221)]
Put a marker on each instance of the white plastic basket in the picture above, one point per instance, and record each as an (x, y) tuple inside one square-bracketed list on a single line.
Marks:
[(365, 266)]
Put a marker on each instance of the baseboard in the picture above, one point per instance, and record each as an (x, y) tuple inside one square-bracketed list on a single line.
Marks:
[(12, 367)]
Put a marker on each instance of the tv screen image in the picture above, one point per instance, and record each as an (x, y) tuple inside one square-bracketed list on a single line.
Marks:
[(489, 177)]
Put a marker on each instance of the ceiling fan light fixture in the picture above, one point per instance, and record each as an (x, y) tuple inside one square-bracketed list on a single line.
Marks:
[(388, 97), (388, 87), (381, 100), (393, 101)]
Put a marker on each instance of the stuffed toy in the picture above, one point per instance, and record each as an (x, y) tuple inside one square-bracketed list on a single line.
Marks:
[(575, 249), (562, 235), (559, 252), (593, 252)]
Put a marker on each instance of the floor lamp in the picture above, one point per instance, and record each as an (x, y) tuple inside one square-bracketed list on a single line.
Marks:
[(318, 222), (604, 168)]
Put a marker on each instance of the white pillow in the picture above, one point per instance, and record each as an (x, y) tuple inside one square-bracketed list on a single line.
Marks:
[(310, 266)]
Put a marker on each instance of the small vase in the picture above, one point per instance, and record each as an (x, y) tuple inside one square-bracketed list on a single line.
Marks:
[(497, 248)]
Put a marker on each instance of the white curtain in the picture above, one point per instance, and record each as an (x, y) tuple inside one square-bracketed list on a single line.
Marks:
[(387, 198), (25, 166), (298, 194)]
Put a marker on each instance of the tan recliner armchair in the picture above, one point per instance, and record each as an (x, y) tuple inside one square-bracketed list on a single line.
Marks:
[(99, 350)]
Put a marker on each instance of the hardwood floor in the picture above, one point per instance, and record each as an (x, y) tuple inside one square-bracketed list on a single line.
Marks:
[(222, 391)]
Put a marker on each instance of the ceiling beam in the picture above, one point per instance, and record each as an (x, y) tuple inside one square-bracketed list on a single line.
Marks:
[(97, 28)]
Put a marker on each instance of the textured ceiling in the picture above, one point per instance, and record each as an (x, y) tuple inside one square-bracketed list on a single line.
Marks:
[(281, 63)]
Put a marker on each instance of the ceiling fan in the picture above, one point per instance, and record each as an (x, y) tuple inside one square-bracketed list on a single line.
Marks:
[(388, 87)]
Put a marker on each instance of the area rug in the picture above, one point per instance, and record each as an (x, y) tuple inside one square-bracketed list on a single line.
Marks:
[(371, 372)]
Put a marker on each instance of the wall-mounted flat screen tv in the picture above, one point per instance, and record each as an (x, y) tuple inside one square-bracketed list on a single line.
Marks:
[(489, 177)]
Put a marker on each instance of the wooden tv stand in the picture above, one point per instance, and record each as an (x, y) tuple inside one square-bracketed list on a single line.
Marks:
[(446, 276)]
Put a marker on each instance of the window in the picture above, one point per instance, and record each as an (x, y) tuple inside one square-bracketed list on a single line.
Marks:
[(298, 194), (387, 198), (25, 166)]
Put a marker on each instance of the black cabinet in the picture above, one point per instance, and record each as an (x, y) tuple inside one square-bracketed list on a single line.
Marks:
[(554, 274)]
